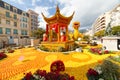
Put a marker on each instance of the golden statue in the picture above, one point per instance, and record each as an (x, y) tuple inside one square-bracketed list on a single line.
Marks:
[(76, 34)]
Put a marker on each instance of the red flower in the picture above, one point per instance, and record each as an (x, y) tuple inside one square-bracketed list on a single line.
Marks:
[(92, 72), (41, 72), (100, 52), (72, 78), (2, 52), (2, 55), (10, 51), (106, 51), (92, 50), (28, 76), (57, 66)]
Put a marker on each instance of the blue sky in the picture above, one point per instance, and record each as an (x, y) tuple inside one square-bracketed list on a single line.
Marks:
[(86, 11)]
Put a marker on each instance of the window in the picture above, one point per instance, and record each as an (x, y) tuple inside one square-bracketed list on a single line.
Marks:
[(15, 16), (23, 32), (11, 37), (25, 19), (0, 20), (7, 7), (1, 31), (15, 24), (26, 26), (8, 30), (15, 10), (7, 14), (21, 25), (24, 14), (15, 31), (7, 22)]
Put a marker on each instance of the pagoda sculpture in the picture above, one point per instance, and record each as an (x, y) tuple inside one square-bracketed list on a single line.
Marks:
[(57, 24), (57, 29)]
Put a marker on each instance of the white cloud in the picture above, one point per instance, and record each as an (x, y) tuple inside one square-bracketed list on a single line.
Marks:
[(43, 10), (86, 10), (18, 1), (33, 2)]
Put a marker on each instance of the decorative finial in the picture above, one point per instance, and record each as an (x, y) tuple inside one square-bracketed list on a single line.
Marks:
[(57, 8)]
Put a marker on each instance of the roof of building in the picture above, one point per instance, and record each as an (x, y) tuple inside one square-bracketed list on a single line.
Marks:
[(57, 17), (32, 12), (115, 8)]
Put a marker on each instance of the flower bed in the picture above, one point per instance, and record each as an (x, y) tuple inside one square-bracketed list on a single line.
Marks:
[(43, 75), (2, 55), (99, 51), (106, 71), (8, 50), (56, 73)]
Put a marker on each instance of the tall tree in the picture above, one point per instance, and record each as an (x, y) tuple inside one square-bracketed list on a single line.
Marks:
[(100, 33), (38, 33), (116, 30)]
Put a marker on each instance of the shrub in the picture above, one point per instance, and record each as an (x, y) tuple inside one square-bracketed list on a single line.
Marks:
[(61, 49), (2, 55), (106, 71), (10, 51), (94, 44), (76, 46), (115, 58), (21, 46), (44, 48)]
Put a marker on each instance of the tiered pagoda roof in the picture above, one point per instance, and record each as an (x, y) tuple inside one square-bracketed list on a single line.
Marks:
[(58, 18)]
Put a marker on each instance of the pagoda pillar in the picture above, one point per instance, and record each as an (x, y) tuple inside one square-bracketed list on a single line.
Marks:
[(58, 33), (50, 34), (66, 33)]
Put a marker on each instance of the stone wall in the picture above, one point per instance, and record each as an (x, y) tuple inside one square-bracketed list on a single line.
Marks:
[(18, 41), (3, 41), (24, 41)]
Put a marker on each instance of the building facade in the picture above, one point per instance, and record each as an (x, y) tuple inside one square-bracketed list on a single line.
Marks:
[(33, 20), (14, 23), (115, 16), (102, 21)]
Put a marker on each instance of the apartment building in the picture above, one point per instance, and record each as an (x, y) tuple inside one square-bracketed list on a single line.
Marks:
[(33, 19), (115, 16), (102, 21), (14, 23)]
